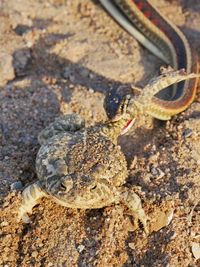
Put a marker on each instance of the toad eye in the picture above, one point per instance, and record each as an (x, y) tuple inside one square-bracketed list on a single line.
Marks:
[(93, 187), (66, 184), (62, 187)]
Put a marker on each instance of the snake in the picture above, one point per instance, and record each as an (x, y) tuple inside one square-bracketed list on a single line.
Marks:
[(143, 20)]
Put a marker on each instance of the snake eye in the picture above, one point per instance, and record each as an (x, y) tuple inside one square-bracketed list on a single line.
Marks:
[(113, 102)]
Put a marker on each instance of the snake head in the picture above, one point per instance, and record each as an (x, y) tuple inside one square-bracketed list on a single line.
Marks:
[(116, 103), (120, 103)]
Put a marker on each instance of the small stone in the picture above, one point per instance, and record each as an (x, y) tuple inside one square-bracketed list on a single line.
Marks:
[(26, 219), (66, 72), (187, 132), (6, 204), (21, 60), (6, 68), (91, 90), (193, 234), (34, 254), (92, 76), (131, 245), (157, 172), (80, 248), (162, 219), (173, 236), (29, 44), (16, 186), (72, 78), (154, 171), (196, 250), (71, 86), (21, 29), (84, 73), (4, 223)]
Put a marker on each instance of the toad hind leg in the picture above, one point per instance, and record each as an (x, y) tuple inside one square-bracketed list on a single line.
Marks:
[(30, 197), (133, 202)]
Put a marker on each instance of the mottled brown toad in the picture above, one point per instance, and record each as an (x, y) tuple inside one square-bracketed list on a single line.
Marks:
[(81, 168), (84, 168)]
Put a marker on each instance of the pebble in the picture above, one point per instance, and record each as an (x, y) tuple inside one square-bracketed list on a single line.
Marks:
[(131, 245), (91, 90), (196, 250), (91, 75), (6, 204), (16, 185), (72, 78), (4, 223), (21, 59), (80, 248), (6, 68), (34, 254), (21, 29), (67, 72), (84, 73), (154, 171), (71, 86), (173, 236), (157, 172), (187, 132)]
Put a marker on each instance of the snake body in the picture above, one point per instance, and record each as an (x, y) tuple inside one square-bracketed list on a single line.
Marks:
[(161, 37)]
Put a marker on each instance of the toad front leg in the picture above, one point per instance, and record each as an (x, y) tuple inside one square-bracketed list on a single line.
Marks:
[(133, 202), (30, 197)]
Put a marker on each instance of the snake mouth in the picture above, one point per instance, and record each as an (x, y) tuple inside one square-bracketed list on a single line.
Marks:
[(128, 126)]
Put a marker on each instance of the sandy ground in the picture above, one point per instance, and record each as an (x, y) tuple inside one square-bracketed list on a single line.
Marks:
[(58, 57)]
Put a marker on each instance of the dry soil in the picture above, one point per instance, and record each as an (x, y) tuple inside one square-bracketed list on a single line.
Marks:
[(58, 57)]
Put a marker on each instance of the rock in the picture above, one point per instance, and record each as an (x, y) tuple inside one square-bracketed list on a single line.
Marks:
[(131, 245), (16, 185), (20, 29), (196, 250), (34, 254), (6, 68), (4, 223), (66, 72), (21, 60), (162, 219), (187, 132), (80, 248)]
